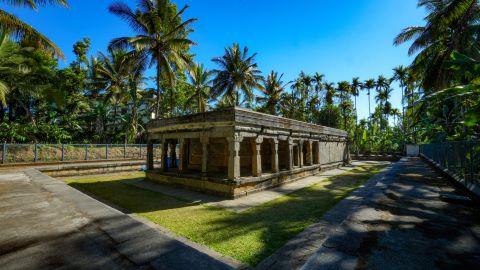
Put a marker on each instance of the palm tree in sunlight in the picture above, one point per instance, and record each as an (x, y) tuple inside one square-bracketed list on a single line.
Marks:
[(162, 36), (200, 80), (272, 90), (369, 85), (19, 30), (344, 89), (355, 88), (238, 74)]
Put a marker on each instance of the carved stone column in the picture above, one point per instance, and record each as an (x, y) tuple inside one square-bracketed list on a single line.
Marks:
[(173, 154), (290, 155), (164, 155), (257, 156), (309, 154), (181, 155), (275, 166), (233, 157), (204, 141), (346, 156), (300, 153), (149, 155), (317, 150)]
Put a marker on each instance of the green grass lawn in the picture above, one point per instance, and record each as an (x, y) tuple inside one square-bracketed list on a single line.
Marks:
[(249, 236)]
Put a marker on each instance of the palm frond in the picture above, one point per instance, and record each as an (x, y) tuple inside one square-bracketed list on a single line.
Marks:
[(20, 30)]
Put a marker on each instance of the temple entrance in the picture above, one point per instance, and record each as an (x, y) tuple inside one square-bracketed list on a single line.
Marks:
[(246, 153), (315, 152), (283, 155), (266, 152), (296, 155)]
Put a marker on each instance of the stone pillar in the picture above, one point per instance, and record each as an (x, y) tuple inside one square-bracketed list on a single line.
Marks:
[(290, 155), (347, 158), (257, 156), (317, 149), (300, 153), (233, 157), (275, 166), (173, 154), (309, 152), (204, 141), (164, 155), (181, 155), (149, 155)]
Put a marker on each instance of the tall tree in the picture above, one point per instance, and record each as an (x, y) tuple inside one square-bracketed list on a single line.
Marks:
[(451, 25), (369, 85), (113, 71), (20, 30), (400, 74), (238, 74), (200, 80), (330, 93), (272, 90), (344, 89), (355, 87), (162, 36)]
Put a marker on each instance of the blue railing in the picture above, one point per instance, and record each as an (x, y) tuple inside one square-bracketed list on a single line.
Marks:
[(461, 158), (27, 153)]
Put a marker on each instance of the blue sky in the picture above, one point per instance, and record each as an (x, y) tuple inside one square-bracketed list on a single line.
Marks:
[(341, 39)]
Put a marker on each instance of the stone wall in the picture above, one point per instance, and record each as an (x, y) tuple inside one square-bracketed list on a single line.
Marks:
[(331, 152)]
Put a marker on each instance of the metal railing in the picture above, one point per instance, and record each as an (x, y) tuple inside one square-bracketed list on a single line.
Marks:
[(27, 153), (462, 158)]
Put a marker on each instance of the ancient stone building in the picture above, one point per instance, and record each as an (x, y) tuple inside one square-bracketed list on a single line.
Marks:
[(235, 151)]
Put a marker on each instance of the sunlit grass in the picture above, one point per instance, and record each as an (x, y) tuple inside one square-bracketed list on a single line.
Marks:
[(249, 236)]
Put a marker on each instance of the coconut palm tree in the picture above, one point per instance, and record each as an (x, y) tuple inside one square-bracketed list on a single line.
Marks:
[(400, 74), (272, 90), (162, 36), (451, 25), (318, 81), (238, 74), (136, 81), (396, 114), (112, 71), (382, 97), (20, 30), (369, 85), (200, 80), (330, 93), (344, 89), (355, 88), (10, 60)]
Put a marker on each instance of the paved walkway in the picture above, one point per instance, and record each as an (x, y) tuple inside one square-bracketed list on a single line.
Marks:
[(402, 222), (46, 224), (243, 203)]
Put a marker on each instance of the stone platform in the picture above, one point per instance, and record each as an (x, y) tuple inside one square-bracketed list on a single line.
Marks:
[(237, 188)]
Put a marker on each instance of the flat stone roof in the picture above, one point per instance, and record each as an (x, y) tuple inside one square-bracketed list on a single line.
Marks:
[(236, 117)]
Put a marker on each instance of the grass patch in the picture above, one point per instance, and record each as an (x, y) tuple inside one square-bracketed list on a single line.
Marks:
[(249, 236)]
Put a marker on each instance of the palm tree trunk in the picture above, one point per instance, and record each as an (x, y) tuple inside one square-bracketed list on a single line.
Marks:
[(237, 98), (369, 112), (157, 105)]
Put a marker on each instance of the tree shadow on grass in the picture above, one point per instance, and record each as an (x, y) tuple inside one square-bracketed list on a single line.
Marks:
[(277, 221), (248, 236), (129, 199)]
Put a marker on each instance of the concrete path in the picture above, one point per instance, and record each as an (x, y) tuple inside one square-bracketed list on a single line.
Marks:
[(243, 203), (46, 224), (402, 223)]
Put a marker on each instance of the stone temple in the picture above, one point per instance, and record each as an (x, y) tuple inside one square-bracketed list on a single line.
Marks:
[(234, 151)]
